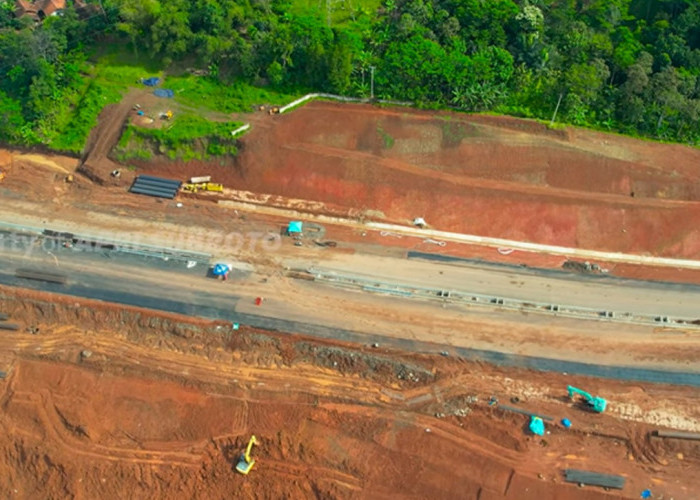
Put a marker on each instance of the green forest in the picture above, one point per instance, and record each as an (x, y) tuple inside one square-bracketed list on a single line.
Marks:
[(630, 66)]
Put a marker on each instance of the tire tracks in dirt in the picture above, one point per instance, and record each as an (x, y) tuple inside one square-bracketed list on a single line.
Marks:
[(294, 471), (53, 425), (179, 364), (274, 380), (95, 163)]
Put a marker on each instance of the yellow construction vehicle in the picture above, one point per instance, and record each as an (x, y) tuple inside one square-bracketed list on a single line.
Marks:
[(4, 170), (245, 463), (167, 115), (203, 186)]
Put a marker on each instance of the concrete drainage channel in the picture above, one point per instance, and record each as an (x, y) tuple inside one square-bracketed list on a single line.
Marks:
[(475, 299)]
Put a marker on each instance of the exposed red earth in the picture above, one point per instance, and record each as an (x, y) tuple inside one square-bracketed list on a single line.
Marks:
[(104, 400), (162, 405), (488, 176)]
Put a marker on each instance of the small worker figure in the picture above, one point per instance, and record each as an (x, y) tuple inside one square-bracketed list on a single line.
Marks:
[(258, 301)]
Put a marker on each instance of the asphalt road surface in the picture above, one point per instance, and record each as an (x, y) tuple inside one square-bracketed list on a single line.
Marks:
[(554, 287), (175, 287)]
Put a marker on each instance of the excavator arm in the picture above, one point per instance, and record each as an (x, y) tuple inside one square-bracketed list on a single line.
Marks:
[(574, 390), (245, 464), (598, 404), (250, 447)]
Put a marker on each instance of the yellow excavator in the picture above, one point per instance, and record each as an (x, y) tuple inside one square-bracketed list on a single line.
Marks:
[(203, 186), (245, 463)]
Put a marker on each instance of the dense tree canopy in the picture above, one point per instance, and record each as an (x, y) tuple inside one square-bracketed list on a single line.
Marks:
[(629, 65)]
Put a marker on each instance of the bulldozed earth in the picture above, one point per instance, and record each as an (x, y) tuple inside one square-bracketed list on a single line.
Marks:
[(483, 175), (99, 400)]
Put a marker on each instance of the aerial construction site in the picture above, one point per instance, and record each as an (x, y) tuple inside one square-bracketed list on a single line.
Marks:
[(364, 302)]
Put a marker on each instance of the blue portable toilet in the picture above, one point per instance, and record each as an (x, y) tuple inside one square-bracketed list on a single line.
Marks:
[(295, 227), (537, 426)]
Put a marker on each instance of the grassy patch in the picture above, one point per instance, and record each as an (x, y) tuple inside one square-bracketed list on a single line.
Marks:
[(115, 66), (133, 146), (452, 134), (204, 92), (110, 76), (388, 140), (104, 83), (83, 118), (187, 137), (555, 125)]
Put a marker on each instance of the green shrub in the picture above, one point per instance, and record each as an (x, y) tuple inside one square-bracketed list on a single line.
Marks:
[(187, 137), (74, 134), (206, 92)]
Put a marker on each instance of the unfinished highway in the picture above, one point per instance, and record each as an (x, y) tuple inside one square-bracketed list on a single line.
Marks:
[(420, 325), (598, 292), (417, 271)]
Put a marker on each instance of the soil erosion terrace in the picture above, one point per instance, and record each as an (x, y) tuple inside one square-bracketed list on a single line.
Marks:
[(489, 176)]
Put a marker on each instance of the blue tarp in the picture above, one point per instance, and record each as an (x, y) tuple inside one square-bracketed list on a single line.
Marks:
[(220, 270), (537, 426), (151, 82), (294, 227), (164, 92)]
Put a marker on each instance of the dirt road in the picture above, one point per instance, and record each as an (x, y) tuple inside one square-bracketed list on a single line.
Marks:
[(111, 122)]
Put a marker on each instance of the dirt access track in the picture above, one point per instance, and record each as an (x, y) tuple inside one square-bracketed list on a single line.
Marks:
[(483, 175), (100, 400)]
